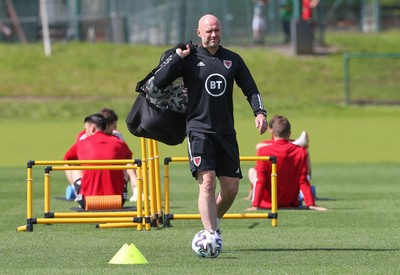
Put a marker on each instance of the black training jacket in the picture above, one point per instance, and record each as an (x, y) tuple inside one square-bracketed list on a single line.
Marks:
[(209, 80)]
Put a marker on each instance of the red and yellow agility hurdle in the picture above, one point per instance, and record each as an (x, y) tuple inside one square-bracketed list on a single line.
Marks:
[(136, 217), (149, 212)]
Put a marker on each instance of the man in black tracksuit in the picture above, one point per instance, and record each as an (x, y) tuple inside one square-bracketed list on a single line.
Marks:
[(209, 72)]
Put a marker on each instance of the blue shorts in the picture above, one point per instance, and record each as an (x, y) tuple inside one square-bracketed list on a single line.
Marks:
[(212, 152)]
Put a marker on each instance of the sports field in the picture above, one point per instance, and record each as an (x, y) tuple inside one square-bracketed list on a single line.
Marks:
[(354, 150)]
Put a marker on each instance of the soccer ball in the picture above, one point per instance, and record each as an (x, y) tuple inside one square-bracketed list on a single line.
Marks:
[(207, 244)]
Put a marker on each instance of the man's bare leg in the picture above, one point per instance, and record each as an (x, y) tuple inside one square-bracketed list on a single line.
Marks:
[(206, 200)]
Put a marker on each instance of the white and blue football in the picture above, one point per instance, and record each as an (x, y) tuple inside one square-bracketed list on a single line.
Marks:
[(207, 244)]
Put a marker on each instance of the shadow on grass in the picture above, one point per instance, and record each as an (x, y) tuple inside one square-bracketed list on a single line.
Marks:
[(325, 199), (319, 249)]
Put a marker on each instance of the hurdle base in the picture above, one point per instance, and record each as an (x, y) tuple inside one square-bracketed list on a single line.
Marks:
[(167, 218), (22, 228)]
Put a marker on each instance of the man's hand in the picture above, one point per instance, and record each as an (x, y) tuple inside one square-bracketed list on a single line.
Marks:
[(317, 208), (261, 123), (183, 53)]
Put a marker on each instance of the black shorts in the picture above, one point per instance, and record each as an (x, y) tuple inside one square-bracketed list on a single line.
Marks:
[(211, 152)]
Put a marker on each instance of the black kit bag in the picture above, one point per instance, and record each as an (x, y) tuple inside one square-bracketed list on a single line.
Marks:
[(148, 120)]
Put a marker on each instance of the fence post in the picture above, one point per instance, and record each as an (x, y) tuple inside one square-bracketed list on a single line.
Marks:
[(346, 78)]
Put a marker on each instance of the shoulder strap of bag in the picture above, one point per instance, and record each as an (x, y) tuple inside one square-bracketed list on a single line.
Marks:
[(165, 55)]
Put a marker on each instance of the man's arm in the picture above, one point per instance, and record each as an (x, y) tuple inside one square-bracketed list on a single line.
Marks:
[(260, 186), (305, 187), (245, 81), (168, 70), (304, 183), (72, 153)]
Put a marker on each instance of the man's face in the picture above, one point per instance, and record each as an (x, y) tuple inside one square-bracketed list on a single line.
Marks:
[(210, 33)]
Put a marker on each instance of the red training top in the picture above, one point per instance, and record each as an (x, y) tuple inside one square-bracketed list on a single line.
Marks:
[(82, 135), (292, 170), (97, 147)]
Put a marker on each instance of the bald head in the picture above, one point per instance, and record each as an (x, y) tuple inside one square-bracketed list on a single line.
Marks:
[(208, 19), (209, 31)]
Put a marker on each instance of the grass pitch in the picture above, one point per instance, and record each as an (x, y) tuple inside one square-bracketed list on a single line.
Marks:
[(353, 149), (358, 235)]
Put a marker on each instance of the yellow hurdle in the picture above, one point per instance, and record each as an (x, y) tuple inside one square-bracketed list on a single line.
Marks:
[(145, 184), (131, 216), (117, 225), (273, 215), (149, 212), (150, 188), (83, 220), (95, 214), (157, 180), (226, 216)]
